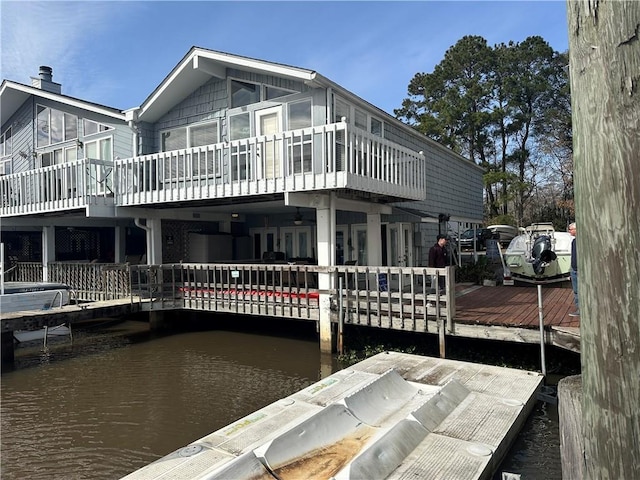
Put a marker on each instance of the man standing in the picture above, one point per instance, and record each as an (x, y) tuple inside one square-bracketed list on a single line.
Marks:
[(439, 258), (574, 270)]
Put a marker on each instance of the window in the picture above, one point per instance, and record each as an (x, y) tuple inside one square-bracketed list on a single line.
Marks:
[(360, 119), (239, 126), (6, 143), (100, 178), (173, 139), (342, 109), (376, 127), (191, 136), (99, 149), (58, 156), (243, 93), (299, 115), (246, 93), (205, 134), (90, 127), (55, 126), (5, 167), (274, 92)]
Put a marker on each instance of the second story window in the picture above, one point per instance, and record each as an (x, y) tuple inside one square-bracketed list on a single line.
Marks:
[(58, 156), (376, 127), (299, 115), (239, 126), (90, 127), (55, 126), (246, 93), (175, 139), (192, 136), (99, 149), (243, 93), (6, 143)]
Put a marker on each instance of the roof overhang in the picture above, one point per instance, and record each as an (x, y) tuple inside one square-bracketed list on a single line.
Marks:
[(13, 95), (197, 68), (426, 217)]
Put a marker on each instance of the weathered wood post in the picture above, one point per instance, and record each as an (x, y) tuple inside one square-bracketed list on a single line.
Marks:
[(571, 441), (604, 67)]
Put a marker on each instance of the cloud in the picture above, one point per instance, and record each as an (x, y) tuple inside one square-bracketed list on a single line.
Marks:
[(67, 36)]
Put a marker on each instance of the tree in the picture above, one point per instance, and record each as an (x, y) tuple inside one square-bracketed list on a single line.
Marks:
[(553, 132), (604, 51), (483, 102), (450, 104)]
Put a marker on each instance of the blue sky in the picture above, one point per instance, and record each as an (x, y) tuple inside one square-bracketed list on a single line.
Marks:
[(116, 52)]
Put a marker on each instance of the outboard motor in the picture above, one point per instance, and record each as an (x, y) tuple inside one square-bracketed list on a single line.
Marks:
[(542, 254)]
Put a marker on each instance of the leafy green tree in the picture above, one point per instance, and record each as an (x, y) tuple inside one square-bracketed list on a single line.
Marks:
[(497, 106)]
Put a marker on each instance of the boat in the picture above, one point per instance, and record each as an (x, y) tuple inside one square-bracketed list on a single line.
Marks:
[(23, 296), (539, 255)]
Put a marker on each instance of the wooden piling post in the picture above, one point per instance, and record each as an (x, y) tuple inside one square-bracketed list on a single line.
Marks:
[(571, 439), (604, 66)]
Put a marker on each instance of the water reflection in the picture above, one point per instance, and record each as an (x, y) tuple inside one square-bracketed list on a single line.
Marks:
[(114, 405)]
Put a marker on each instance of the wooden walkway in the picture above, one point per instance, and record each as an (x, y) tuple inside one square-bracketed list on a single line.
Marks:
[(492, 313), (495, 311)]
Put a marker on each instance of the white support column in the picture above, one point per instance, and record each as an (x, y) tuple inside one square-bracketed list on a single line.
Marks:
[(48, 249), (154, 241), (326, 246), (374, 245), (119, 255)]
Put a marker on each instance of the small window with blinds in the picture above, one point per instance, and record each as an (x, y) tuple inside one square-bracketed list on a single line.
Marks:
[(205, 134), (192, 136)]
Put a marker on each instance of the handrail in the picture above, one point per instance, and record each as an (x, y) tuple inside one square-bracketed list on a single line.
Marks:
[(407, 294)]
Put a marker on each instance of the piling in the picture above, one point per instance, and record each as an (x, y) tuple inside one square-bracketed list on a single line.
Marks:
[(571, 438)]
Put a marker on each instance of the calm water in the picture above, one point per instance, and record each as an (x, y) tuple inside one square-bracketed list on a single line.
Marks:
[(118, 399)]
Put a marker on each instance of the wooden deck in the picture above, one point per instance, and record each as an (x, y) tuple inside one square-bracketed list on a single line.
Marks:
[(494, 310), (494, 313)]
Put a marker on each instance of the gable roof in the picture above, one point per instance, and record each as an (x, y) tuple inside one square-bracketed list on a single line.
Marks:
[(200, 64), (13, 95), (197, 67)]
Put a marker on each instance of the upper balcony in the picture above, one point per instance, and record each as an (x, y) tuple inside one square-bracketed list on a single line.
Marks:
[(328, 157), (80, 184)]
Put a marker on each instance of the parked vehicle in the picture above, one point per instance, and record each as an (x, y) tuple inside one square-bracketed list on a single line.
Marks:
[(504, 233), (481, 236)]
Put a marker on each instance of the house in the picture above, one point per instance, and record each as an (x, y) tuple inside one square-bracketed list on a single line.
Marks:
[(56, 167), (229, 159)]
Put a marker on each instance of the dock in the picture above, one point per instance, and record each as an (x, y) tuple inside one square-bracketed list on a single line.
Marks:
[(512, 314), (391, 416), (504, 313)]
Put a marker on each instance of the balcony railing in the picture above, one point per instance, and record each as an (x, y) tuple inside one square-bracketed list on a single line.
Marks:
[(335, 156), (75, 184), (315, 158)]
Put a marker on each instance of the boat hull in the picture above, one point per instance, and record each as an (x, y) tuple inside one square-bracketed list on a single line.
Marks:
[(24, 296)]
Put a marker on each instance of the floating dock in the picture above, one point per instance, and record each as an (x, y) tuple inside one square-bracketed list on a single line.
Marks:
[(392, 416)]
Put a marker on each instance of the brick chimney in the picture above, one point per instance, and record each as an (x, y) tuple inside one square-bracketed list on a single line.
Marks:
[(44, 80)]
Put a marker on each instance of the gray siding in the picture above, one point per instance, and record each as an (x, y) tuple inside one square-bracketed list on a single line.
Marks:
[(24, 133)]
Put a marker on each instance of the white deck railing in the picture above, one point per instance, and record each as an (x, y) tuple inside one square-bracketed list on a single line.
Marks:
[(75, 184), (316, 158), (326, 157)]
